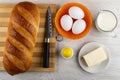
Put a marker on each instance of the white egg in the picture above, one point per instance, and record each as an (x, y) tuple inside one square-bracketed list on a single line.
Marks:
[(78, 26), (66, 22), (76, 12)]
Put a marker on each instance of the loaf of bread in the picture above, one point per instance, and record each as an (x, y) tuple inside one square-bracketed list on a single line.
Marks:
[(21, 37)]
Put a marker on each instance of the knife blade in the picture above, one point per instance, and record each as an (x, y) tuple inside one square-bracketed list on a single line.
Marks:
[(48, 34)]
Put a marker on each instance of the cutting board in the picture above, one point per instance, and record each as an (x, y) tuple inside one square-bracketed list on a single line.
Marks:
[(5, 10)]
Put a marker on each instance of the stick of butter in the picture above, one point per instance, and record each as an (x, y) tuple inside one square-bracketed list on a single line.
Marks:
[(95, 57)]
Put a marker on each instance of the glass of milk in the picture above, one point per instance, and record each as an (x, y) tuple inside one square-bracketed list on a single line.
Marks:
[(106, 22)]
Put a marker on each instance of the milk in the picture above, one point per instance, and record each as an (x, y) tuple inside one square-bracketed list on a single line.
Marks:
[(106, 21)]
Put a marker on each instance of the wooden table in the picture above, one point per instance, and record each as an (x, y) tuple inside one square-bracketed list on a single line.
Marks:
[(70, 69)]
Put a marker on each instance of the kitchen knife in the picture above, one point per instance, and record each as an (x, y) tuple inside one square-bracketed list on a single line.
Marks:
[(48, 34)]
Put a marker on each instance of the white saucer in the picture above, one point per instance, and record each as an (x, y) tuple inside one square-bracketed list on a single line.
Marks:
[(87, 48)]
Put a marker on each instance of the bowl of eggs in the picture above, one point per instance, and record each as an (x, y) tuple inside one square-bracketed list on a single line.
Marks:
[(73, 20)]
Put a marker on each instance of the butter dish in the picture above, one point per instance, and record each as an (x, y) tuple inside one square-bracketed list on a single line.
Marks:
[(89, 47)]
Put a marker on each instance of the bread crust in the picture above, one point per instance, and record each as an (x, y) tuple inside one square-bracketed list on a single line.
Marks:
[(21, 37)]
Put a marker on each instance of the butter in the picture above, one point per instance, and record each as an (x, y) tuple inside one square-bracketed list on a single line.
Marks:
[(95, 57)]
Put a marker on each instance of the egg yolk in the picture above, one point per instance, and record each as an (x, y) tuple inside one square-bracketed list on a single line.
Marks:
[(67, 52)]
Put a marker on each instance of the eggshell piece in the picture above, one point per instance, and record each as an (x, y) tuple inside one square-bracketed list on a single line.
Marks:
[(66, 22), (76, 12), (78, 26)]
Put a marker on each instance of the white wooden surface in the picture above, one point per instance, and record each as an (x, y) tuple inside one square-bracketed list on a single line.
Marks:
[(70, 69)]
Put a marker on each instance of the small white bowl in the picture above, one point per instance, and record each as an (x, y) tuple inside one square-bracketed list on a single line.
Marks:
[(87, 48)]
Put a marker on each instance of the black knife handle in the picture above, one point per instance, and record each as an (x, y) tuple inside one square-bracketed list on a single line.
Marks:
[(46, 55)]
